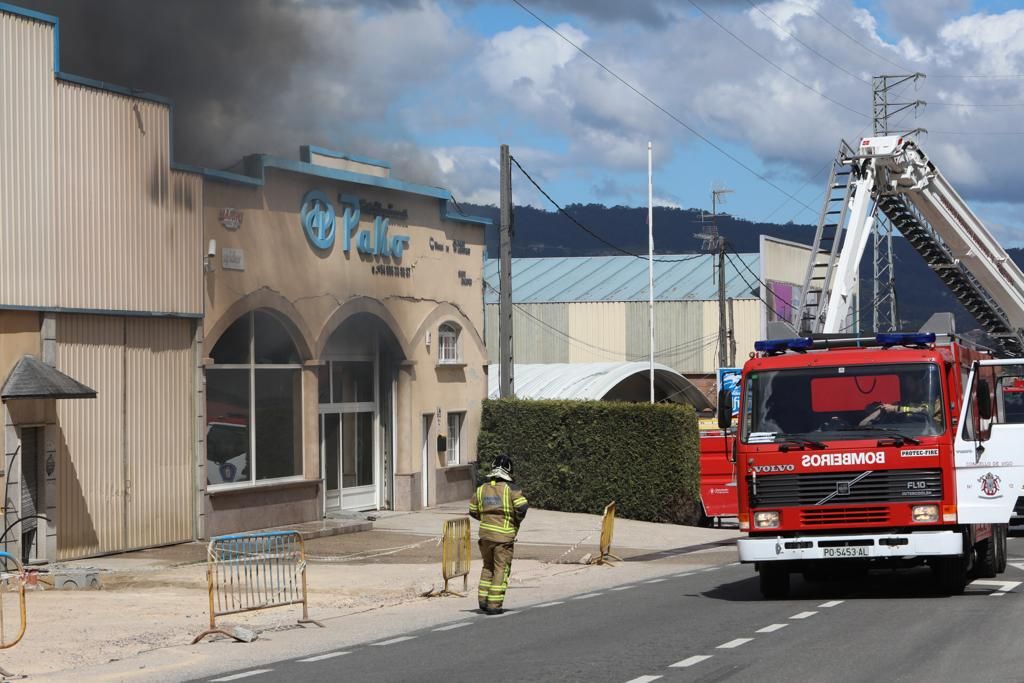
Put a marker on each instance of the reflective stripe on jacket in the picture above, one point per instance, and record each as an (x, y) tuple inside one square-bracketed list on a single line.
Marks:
[(500, 507)]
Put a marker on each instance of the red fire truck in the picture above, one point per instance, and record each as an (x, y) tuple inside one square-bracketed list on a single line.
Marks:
[(892, 449), (858, 453), (718, 496)]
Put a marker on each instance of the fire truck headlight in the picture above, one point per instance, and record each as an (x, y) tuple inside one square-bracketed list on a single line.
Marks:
[(925, 513), (766, 520)]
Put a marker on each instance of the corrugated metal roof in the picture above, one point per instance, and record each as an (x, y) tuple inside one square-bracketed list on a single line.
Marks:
[(622, 278), (590, 381)]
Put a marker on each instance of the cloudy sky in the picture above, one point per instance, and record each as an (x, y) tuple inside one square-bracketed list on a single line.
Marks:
[(747, 94)]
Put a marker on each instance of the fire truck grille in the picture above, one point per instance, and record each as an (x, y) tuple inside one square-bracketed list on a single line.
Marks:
[(825, 516), (843, 488)]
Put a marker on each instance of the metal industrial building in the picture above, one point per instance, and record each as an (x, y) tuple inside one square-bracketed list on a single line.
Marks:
[(595, 309), (186, 352)]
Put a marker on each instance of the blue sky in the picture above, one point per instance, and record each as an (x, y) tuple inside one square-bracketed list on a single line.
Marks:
[(583, 135), (435, 86)]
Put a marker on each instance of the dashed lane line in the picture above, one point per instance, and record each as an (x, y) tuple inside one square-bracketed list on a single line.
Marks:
[(832, 603), (655, 581), (400, 639), (803, 615), (689, 661), (644, 679), (623, 588), (734, 643), (237, 677), (772, 628), (684, 574), (585, 596), (320, 658), (550, 604), (452, 627)]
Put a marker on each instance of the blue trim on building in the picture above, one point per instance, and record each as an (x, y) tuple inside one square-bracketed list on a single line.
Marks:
[(306, 152), (110, 87), (462, 217), (102, 311), (229, 177), (44, 18)]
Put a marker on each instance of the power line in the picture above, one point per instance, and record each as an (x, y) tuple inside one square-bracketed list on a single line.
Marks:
[(657, 106), (773, 64), (753, 289), (591, 232), (811, 49)]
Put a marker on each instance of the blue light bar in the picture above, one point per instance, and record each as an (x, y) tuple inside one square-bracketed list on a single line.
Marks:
[(905, 338), (774, 346)]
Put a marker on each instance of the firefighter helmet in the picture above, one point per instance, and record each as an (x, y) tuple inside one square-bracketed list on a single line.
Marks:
[(502, 467)]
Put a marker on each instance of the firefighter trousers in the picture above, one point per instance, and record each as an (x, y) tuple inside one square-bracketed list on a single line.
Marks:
[(497, 556)]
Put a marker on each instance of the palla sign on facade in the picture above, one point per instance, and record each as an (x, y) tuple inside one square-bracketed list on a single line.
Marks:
[(320, 223)]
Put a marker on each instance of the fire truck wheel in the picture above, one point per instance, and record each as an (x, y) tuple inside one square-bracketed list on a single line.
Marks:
[(988, 560), (951, 573), (1002, 531), (774, 581)]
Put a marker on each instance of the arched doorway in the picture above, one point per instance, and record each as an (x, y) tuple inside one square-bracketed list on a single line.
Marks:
[(357, 410)]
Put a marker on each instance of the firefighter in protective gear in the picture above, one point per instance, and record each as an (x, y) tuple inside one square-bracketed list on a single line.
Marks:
[(500, 506)]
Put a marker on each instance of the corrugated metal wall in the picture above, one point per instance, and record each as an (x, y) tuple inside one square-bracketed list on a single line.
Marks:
[(686, 332), (158, 431), (90, 474), (129, 230), (126, 457), (26, 159)]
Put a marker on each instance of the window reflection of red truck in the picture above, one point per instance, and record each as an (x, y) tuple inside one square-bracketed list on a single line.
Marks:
[(718, 495), (227, 444)]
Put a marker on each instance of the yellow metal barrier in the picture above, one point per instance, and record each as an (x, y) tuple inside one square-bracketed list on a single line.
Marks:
[(11, 581), (455, 555), (248, 572), (607, 530)]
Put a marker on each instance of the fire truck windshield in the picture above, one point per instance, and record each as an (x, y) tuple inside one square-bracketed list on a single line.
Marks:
[(836, 403)]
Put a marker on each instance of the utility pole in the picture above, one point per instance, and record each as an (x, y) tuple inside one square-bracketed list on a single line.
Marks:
[(650, 256), (506, 385), (732, 336), (714, 242), (884, 313)]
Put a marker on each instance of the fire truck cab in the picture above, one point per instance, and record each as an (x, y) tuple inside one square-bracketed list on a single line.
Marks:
[(862, 452)]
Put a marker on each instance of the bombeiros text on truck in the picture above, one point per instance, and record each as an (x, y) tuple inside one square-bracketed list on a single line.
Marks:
[(896, 449)]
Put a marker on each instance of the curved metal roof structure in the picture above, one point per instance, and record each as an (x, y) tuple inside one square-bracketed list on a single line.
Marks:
[(598, 381)]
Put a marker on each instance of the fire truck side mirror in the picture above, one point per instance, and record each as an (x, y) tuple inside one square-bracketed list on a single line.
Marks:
[(724, 409), (984, 399)]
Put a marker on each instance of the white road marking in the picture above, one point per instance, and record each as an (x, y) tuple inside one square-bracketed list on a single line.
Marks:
[(400, 639), (735, 564), (451, 627), (623, 588), (832, 603), (679, 576), (689, 661), (803, 615), (996, 594), (654, 581), (772, 628), (551, 604), (709, 569), (644, 679), (1004, 586), (734, 643), (586, 595), (1018, 565), (235, 677), (320, 658)]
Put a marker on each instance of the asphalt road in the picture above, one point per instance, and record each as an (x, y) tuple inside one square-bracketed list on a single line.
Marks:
[(709, 625)]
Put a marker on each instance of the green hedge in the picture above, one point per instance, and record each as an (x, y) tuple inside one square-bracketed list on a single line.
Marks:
[(577, 456)]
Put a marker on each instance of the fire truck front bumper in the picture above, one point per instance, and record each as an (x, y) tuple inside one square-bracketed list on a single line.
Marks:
[(859, 546)]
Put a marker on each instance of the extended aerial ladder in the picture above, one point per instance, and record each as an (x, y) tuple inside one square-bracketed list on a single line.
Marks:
[(893, 175)]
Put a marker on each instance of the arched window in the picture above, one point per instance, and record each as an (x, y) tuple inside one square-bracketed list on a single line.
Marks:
[(448, 344), (253, 403)]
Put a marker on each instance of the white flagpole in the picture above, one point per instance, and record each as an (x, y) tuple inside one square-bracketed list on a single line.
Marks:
[(650, 256)]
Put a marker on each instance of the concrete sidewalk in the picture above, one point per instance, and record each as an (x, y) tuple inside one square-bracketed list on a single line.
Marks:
[(157, 599)]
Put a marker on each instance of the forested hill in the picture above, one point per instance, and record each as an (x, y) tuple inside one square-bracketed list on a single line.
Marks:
[(543, 233)]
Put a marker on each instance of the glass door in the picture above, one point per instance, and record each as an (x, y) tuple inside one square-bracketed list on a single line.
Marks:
[(330, 459)]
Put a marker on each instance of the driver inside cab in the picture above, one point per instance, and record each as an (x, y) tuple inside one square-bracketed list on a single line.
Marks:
[(916, 403)]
